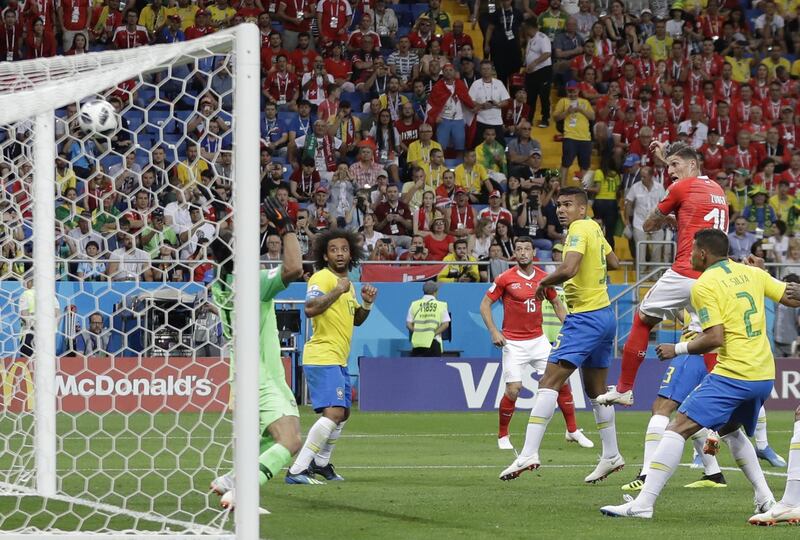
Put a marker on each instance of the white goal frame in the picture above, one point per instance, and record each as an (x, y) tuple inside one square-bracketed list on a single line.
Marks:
[(36, 88)]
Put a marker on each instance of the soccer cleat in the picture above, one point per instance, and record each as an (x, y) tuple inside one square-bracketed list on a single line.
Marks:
[(605, 467), (519, 466), (303, 477), (327, 472), (636, 485), (627, 510), (771, 456), (222, 484), (504, 443), (780, 513), (762, 507), (711, 446), (709, 481), (577, 436), (612, 396), (228, 502)]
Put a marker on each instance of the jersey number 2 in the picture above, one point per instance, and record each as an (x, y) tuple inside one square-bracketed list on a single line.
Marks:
[(749, 313), (717, 218)]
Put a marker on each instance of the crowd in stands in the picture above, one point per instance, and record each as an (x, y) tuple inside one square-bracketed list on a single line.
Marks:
[(385, 118)]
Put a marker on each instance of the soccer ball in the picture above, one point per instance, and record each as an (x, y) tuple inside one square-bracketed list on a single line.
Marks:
[(97, 117)]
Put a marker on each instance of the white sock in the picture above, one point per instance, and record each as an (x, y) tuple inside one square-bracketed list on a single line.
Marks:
[(543, 408), (791, 496), (665, 460), (745, 456), (324, 455), (710, 465), (761, 430), (317, 435), (655, 430), (604, 418)]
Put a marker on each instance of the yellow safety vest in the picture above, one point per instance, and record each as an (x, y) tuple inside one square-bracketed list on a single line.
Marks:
[(551, 325), (428, 314)]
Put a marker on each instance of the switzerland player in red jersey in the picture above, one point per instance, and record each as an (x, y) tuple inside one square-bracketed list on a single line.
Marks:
[(522, 339), (692, 203)]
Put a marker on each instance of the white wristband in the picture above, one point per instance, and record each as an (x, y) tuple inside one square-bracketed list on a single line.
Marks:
[(367, 306), (681, 348)]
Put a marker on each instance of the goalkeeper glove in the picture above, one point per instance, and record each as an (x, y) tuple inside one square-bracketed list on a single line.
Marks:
[(278, 215)]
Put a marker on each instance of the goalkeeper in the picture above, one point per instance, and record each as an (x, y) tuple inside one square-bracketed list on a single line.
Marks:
[(279, 419)]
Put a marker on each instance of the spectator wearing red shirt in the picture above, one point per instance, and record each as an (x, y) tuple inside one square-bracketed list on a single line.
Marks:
[(40, 43), (76, 18), (304, 180), (422, 34), (677, 65), (269, 55), (707, 101), (417, 250), (295, 15), (282, 87), (788, 131), (132, 34), (11, 44), (438, 243), (724, 124), (515, 111), (339, 67), (334, 17), (446, 191), (628, 129), (744, 104), (394, 217), (712, 153), (265, 29), (462, 215), (792, 174), (609, 108), (641, 146), (725, 87), (775, 103), (40, 9), (357, 36), (745, 154), (630, 84), (302, 58), (407, 125), (587, 88), (249, 11), (454, 40), (495, 211), (200, 28), (711, 22), (676, 106), (587, 59), (710, 61), (663, 130), (645, 106)]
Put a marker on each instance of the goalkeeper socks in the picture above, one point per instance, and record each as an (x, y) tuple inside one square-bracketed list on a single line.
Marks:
[(272, 461), (324, 455), (745, 456), (710, 465), (791, 496), (543, 408), (567, 406), (507, 407), (604, 418), (655, 430), (761, 430), (633, 353), (666, 459), (319, 433)]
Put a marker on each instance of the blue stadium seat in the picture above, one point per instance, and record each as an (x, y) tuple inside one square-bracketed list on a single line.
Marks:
[(356, 99), (418, 9), (135, 118), (403, 30), (452, 163), (404, 15)]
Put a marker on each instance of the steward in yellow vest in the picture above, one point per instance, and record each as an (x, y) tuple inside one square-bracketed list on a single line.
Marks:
[(427, 318)]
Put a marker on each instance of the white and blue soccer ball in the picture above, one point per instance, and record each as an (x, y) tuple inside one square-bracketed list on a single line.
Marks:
[(98, 117)]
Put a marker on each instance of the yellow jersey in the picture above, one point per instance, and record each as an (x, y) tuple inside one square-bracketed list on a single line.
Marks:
[(472, 180), (587, 290), (187, 15), (741, 68), (188, 175), (333, 328), (659, 48), (608, 185), (781, 207), (418, 154), (576, 125), (152, 20), (219, 15), (732, 294), (433, 176), (772, 65)]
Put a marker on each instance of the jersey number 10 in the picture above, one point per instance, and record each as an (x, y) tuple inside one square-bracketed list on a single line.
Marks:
[(717, 217)]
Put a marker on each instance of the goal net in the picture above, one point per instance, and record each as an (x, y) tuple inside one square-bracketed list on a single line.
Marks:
[(116, 408)]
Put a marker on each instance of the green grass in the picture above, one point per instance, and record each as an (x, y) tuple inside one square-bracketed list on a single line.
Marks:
[(431, 476)]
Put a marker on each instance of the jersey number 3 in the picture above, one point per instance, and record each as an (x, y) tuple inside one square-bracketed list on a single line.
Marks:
[(717, 217)]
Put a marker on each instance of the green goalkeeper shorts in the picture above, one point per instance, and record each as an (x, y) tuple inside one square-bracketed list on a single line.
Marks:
[(274, 402)]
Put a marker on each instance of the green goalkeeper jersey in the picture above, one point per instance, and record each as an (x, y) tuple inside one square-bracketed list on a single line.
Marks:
[(270, 365)]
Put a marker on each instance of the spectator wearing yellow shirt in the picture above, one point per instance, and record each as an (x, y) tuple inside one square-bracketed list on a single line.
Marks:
[(474, 177), (553, 20), (576, 113), (186, 10), (740, 66), (739, 195), (462, 273), (782, 202), (65, 176), (154, 16), (660, 43), (221, 14), (434, 170), (606, 187), (492, 155), (189, 170), (776, 59), (419, 151)]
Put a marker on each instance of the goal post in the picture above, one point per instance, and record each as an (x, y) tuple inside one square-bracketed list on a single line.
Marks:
[(123, 444)]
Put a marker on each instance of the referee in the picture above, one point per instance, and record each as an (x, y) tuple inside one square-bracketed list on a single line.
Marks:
[(538, 70)]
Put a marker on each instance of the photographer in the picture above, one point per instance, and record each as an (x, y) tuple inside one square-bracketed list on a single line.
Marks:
[(384, 250), (530, 220), (462, 273), (357, 213), (417, 251)]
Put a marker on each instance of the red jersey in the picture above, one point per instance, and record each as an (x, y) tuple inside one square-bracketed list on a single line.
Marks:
[(303, 61), (125, 39), (712, 159), (408, 132), (698, 203), (281, 86), (194, 32), (76, 14), (522, 312)]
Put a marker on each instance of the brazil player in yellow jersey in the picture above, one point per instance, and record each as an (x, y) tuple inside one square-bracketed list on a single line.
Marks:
[(334, 310), (729, 300), (585, 340)]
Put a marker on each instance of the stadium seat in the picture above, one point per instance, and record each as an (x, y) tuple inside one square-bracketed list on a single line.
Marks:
[(451, 163), (356, 99), (403, 13), (403, 30), (417, 10), (286, 117)]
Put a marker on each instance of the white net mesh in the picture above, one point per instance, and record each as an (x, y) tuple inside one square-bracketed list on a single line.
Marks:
[(142, 370)]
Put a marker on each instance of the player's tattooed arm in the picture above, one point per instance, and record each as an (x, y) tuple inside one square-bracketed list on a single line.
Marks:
[(317, 302), (791, 296), (657, 220)]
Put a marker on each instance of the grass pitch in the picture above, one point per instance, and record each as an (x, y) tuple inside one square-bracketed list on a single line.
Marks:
[(408, 476)]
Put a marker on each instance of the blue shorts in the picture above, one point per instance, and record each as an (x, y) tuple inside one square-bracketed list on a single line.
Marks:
[(586, 339), (329, 386), (720, 400), (451, 133), (682, 376)]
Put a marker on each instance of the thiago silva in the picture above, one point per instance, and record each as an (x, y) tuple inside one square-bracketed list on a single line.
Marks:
[(522, 339)]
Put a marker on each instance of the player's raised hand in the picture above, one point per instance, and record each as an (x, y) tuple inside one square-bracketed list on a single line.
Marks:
[(277, 214), (666, 351), (541, 292), (752, 260), (368, 293), (343, 285), (498, 339)]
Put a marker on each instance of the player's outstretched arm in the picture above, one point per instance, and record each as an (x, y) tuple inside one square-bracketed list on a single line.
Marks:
[(559, 308), (709, 339), (657, 220), (368, 294), (791, 296)]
